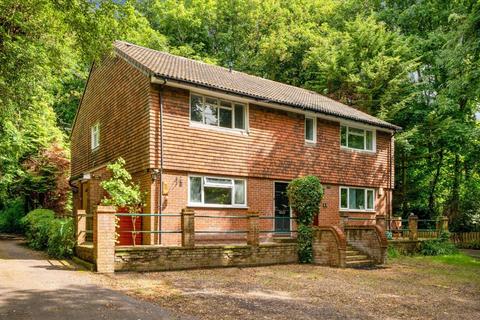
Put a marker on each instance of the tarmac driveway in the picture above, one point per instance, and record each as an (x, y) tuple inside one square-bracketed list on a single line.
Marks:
[(35, 287)]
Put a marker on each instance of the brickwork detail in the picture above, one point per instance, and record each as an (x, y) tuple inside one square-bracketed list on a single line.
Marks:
[(104, 239), (329, 246), (177, 258), (370, 240)]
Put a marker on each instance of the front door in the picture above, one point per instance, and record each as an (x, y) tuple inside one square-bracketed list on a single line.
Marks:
[(282, 208)]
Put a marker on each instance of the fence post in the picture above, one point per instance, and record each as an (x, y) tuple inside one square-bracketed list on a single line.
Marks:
[(188, 228), (253, 238), (104, 239), (412, 227), (81, 227), (442, 224), (381, 221)]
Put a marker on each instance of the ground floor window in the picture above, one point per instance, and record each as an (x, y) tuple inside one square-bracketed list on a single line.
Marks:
[(357, 199), (215, 191)]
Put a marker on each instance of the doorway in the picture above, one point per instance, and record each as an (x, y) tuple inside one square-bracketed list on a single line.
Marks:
[(282, 208)]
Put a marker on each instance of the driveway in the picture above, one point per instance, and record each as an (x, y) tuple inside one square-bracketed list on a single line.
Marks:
[(35, 287)]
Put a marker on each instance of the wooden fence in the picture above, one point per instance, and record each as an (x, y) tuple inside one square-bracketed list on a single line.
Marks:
[(465, 237)]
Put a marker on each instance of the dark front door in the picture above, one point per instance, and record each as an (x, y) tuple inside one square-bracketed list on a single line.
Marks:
[(282, 208)]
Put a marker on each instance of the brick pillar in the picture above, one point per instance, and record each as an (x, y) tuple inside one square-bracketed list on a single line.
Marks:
[(442, 224), (80, 226), (380, 221), (104, 239), (188, 228), (413, 227), (253, 237), (343, 219)]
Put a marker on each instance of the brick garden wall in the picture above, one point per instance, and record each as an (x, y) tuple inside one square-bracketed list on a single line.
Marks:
[(178, 258), (329, 246), (368, 239)]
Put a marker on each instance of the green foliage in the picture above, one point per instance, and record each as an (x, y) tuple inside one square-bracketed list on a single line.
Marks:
[(392, 252), (470, 245), (304, 243), (11, 215), (122, 192), (61, 238), (44, 231), (305, 195), (37, 227), (439, 246)]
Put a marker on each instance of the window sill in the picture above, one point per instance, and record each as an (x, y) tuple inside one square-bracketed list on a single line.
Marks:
[(310, 143), (241, 132), (370, 211), (217, 206), (95, 149), (347, 149)]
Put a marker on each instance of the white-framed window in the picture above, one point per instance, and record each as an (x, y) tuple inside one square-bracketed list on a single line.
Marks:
[(310, 129), (357, 199), (95, 136), (216, 191), (217, 112), (357, 138)]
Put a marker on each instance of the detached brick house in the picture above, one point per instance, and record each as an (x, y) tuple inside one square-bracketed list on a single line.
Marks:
[(224, 142)]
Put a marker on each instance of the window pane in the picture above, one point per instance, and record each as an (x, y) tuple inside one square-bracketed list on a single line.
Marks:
[(196, 113), (214, 195), (369, 140), (211, 111), (355, 141), (239, 192), (239, 116), (309, 129), (356, 131), (343, 136), (225, 118), (369, 199), (356, 198), (195, 189), (225, 182), (344, 198)]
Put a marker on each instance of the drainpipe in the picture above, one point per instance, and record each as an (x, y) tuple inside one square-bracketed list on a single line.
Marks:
[(160, 196)]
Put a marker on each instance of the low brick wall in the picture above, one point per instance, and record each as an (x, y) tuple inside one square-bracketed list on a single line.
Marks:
[(329, 246), (157, 258), (370, 240), (85, 252)]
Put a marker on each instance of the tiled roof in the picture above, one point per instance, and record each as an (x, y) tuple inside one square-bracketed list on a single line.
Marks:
[(194, 72)]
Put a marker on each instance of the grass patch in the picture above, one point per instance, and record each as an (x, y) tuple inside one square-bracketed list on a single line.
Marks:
[(459, 259)]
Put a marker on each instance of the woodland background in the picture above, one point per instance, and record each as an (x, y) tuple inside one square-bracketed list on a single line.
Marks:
[(411, 62)]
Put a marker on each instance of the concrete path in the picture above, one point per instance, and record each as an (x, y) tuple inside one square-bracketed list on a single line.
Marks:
[(35, 287)]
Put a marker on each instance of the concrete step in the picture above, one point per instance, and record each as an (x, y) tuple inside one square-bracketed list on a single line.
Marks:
[(359, 263), (352, 252), (358, 257)]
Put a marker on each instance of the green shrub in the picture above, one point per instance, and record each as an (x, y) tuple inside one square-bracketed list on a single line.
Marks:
[(470, 245), (305, 195), (37, 227), (11, 215), (439, 246), (61, 238), (392, 252)]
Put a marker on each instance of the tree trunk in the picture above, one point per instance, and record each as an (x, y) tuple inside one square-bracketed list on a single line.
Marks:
[(433, 186)]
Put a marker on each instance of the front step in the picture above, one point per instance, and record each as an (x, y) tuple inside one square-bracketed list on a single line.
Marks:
[(355, 258)]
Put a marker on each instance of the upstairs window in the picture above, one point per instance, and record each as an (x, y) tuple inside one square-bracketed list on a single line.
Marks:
[(310, 129), (95, 136), (358, 139), (214, 191), (217, 112), (357, 199)]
